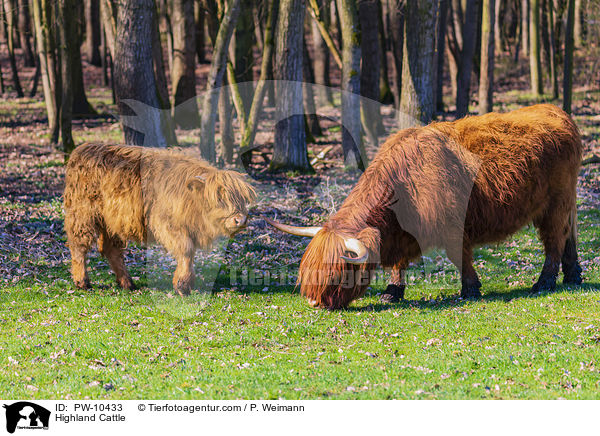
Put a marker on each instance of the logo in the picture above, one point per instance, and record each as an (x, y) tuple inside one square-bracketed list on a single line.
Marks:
[(26, 415)]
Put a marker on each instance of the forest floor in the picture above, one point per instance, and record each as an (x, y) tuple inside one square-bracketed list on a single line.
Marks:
[(246, 333)]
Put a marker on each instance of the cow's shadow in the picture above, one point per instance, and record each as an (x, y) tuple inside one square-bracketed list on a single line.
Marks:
[(452, 301)]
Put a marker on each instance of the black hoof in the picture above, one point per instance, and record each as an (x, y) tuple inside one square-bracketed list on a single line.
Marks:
[(572, 275), (471, 290), (392, 294), (544, 284)]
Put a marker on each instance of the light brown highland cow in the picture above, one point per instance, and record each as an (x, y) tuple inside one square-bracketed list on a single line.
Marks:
[(115, 194)]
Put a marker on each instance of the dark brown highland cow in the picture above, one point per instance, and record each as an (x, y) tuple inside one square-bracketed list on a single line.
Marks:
[(453, 185), (114, 194)]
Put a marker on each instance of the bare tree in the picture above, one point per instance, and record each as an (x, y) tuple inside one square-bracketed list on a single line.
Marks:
[(417, 100), (92, 32), (465, 67), (354, 154), (24, 18), (441, 50), (134, 72), (321, 58), (249, 130), (535, 64), (46, 41), (368, 13), (569, 48), (525, 27), (289, 150), (242, 56), (553, 57), (68, 44), (8, 9), (183, 73), (486, 75), (215, 80), (396, 11)]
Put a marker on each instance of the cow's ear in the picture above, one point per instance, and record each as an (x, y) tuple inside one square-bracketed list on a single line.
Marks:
[(196, 183)]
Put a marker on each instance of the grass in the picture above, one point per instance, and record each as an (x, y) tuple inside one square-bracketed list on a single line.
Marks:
[(58, 342)]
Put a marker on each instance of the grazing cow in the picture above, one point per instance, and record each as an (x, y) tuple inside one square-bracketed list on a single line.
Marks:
[(453, 185), (115, 194)]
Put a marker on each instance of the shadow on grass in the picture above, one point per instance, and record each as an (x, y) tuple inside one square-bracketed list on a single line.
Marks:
[(455, 300)]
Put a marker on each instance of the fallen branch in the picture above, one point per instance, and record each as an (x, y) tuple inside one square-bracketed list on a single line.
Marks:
[(321, 155), (591, 160)]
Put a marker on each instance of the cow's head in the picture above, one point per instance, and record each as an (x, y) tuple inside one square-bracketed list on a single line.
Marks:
[(225, 197), (336, 267)]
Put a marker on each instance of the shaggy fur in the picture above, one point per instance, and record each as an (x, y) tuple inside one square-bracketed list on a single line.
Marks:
[(114, 194), (454, 185)]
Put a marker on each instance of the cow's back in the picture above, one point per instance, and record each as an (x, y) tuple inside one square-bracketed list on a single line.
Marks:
[(103, 186), (528, 158)]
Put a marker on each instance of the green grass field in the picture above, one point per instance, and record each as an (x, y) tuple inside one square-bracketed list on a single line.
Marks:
[(108, 343)]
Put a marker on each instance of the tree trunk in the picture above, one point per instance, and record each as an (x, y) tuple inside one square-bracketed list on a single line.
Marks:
[(535, 66), (465, 67), (354, 153), (310, 110), (241, 52), (417, 100), (162, 90), (385, 92), (81, 106), (486, 75), (247, 143), (134, 73), (497, 29), (578, 24), (25, 32), (8, 7), (441, 52), (36, 80), (92, 32), (159, 73), (183, 74), (68, 43), (553, 59), (199, 26), (289, 150), (225, 124), (368, 13), (108, 14), (215, 80), (396, 10), (569, 48), (321, 61), (45, 39), (525, 27)]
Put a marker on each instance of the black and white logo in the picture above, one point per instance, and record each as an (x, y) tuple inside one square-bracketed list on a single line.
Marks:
[(26, 415)]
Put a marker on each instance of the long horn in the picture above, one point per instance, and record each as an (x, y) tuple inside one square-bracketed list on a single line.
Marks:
[(293, 230), (358, 248)]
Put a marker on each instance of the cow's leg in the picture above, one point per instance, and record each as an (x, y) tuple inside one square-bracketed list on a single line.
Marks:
[(570, 264), (78, 267), (112, 249), (81, 233), (395, 289), (464, 261), (183, 279), (554, 229)]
